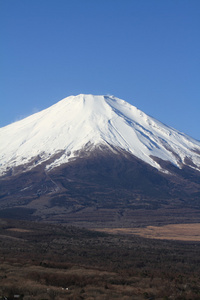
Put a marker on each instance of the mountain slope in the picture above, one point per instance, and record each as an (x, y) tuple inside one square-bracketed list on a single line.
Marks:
[(85, 121), (98, 161)]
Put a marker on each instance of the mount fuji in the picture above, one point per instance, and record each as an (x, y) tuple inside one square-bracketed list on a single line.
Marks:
[(97, 159)]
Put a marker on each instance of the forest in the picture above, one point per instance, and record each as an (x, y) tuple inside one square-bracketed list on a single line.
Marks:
[(49, 261)]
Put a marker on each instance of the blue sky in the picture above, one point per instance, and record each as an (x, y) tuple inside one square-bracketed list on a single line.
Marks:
[(146, 52)]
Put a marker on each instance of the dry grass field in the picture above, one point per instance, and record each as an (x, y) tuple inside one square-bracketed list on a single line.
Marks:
[(179, 232)]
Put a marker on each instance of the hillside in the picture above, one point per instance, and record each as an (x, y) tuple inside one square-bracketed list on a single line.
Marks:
[(95, 160)]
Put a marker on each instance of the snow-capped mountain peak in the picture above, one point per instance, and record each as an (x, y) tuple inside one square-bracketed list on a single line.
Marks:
[(76, 121)]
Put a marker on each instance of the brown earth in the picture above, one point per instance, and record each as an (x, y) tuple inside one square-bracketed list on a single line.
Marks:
[(18, 230), (179, 232)]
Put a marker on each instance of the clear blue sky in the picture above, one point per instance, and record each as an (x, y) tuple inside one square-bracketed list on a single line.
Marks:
[(146, 52)]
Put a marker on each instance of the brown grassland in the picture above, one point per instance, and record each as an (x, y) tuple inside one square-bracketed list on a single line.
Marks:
[(178, 232), (48, 261)]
